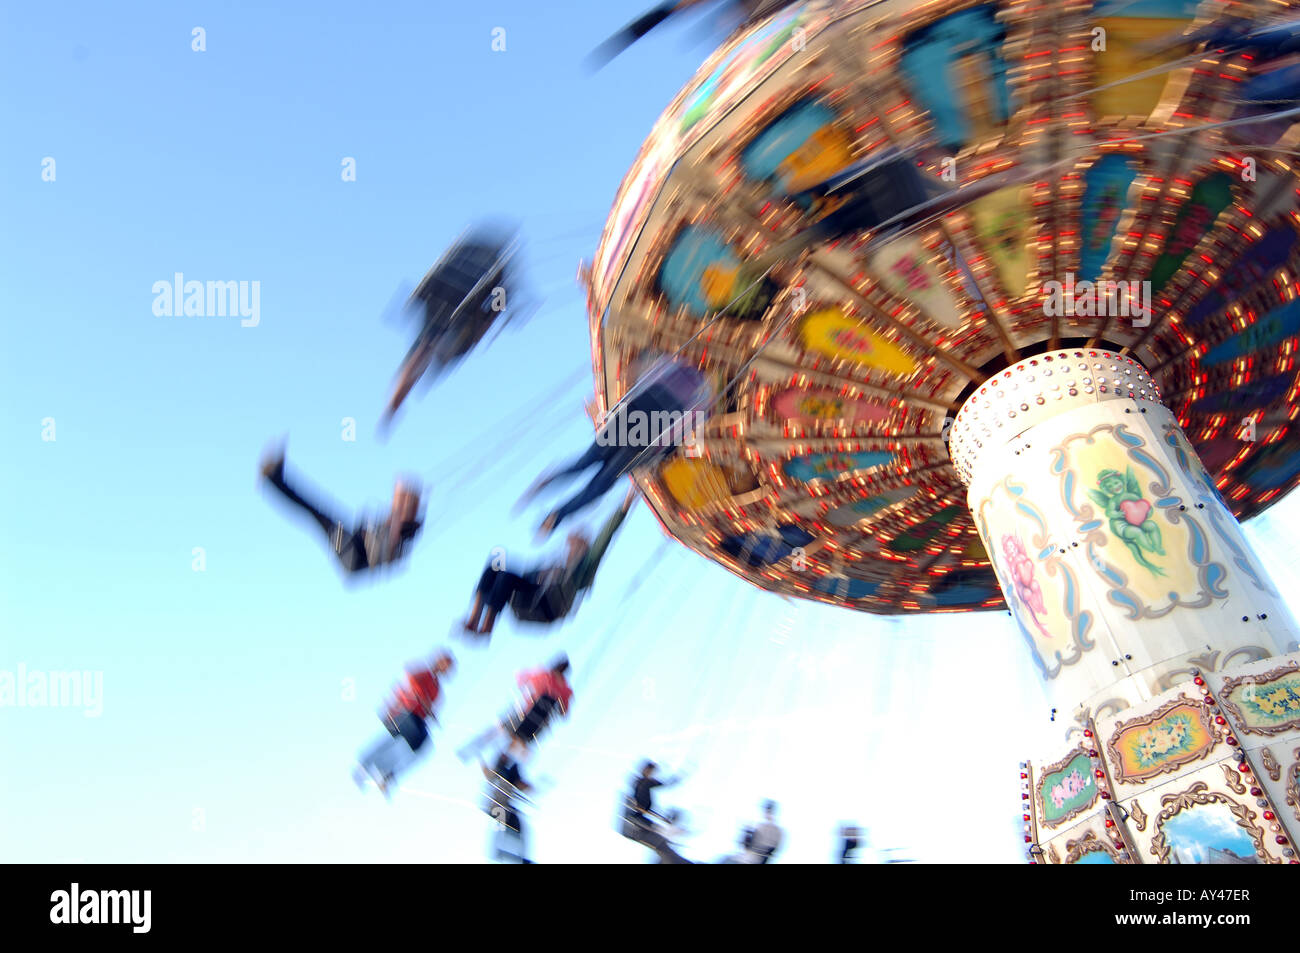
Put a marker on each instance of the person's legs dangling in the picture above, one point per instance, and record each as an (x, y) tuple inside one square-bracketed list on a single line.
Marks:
[(615, 464), (390, 757), (382, 761), (371, 755), (483, 597), (414, 366), (504, 586), (496, 587), (273, 470), (475, 613), (594, 454), (481, 591)]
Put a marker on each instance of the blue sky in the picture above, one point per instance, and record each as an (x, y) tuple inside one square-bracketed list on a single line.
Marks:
[(234, 699)]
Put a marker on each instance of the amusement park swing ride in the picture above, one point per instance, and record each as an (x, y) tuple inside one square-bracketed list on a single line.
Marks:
[(1000, 303)]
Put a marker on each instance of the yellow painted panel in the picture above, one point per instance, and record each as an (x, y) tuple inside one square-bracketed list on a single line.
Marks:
[(694, 483), (1127, 42), (835, 334), (1002, 222)]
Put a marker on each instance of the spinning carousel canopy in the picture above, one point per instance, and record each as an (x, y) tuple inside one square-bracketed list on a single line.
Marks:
[(1108, 195)]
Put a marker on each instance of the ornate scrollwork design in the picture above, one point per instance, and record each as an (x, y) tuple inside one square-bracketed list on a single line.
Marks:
[(1089, 843), (1277, 701), (1293, 785), (1271, 766), (1199, 793), (1177, 733)]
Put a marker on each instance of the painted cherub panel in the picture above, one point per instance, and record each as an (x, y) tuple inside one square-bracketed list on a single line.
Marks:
[(1130, 516), (1137, 526)]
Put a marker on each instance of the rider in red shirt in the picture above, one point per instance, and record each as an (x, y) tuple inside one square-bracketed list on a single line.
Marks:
[(418, 694), (406, 717), (546, 691), (541, 682)]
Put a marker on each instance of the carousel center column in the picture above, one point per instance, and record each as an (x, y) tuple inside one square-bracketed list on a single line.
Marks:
[(1162, 639)]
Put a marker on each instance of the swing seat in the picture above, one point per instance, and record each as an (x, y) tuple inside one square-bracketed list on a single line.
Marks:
[(457, 296), (694, 483), (892, 191), (550, 604)]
